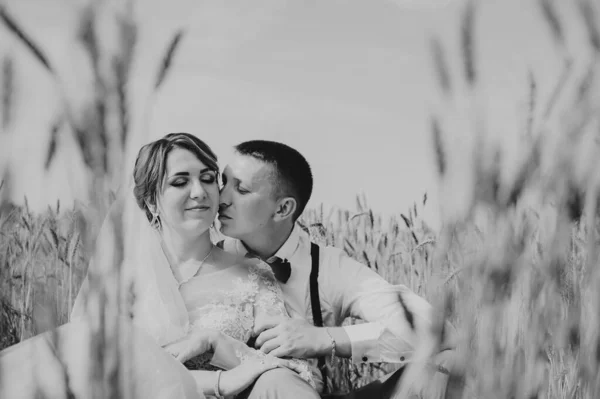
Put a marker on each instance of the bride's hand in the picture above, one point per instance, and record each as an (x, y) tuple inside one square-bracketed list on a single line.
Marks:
[(195, 344), (241, 377)]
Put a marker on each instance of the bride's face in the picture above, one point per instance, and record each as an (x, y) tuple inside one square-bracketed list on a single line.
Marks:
[(189, 198)]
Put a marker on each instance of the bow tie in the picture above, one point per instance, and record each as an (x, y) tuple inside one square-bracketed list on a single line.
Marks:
[(281, 267)]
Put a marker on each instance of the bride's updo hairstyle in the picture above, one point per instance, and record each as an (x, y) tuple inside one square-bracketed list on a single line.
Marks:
[(151, 165)]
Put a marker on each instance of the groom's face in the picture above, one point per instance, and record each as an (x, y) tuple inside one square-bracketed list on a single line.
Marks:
[(247, 203)]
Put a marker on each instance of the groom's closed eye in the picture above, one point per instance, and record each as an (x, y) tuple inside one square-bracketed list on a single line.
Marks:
[(237, 185), (241, 190)]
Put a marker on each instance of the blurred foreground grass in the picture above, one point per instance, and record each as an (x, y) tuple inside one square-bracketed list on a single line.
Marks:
[(514, 265)]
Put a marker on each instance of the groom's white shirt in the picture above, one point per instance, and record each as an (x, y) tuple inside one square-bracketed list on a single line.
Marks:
[(349, 288)]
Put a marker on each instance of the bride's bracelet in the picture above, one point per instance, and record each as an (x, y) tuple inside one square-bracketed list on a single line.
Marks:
[(216, 389)]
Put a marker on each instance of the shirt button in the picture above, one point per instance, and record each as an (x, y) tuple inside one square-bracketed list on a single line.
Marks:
[(364, 359), (401, 358)]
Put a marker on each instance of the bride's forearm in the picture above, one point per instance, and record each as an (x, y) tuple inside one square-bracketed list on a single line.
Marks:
[(205, 381), (227, 352)]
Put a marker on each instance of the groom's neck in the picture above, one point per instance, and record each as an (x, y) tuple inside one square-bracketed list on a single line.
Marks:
[(267, 242)]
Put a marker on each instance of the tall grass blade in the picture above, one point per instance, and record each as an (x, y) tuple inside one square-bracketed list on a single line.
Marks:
[(52, 145), (88, 38), (441, 66), (588, 13), (168, 59), (8, 90), (122, 66), (438, 147), (531, 105), (468, 42), (552, 19), (12, 25), (558, 88)]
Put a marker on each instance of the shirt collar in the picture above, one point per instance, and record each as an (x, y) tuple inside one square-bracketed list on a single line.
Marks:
[(286, 251), (289, 247)]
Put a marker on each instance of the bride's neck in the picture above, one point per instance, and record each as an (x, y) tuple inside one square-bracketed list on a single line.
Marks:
[(181, 248)]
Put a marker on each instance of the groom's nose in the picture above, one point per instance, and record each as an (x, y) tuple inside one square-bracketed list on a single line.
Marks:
[(224, 197)]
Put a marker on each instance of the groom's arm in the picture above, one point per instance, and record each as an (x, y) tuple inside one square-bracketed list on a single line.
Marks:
[(395, 318)]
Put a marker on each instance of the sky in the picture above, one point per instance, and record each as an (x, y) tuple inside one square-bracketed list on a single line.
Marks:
[(349, 83)]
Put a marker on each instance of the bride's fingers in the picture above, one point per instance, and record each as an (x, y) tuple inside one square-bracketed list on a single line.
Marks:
[(269, 364)]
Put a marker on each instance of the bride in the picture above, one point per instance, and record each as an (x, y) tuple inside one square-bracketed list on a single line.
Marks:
[(197, 302)]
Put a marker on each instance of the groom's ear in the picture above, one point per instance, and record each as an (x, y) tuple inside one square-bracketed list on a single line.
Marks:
[(286, 207)]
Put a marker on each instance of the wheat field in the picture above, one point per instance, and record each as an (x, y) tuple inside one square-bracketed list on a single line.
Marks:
[(515, 271)]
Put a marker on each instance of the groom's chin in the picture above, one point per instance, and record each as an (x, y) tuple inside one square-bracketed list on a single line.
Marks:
[(227, 230), (222, 227)]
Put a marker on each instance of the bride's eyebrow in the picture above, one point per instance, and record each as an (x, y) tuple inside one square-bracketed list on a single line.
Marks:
[(205, 170)]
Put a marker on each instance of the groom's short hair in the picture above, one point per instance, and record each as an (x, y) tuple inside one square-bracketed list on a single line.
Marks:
[(293, 176)]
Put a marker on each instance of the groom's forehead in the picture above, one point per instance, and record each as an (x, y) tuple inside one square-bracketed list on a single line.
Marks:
[(247, 168)]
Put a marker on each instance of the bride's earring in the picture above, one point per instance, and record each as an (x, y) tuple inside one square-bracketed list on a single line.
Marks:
[(155, 223)]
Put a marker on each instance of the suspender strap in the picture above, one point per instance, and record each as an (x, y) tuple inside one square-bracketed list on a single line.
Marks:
[(314, 286), (316, 302)]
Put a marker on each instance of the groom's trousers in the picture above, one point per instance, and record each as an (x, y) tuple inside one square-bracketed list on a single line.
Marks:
[(282, 383), (377, 389)]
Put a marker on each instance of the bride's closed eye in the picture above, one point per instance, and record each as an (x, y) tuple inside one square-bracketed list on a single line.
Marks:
[(179, 182), (206, 178)]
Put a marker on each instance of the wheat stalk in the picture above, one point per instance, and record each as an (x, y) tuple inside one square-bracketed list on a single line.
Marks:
[(441, 66), (12, 25), (467, 42), (167, 59)]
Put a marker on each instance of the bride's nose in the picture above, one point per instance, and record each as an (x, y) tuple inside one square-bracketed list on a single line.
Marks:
[(197, 190)]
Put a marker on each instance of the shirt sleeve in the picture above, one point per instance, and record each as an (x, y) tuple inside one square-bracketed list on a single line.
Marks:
[(394, 317)]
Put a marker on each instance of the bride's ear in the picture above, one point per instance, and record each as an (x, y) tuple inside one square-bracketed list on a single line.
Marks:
[(286, 207)]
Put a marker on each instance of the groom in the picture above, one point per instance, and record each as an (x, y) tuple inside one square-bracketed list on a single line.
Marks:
[(265, 189)]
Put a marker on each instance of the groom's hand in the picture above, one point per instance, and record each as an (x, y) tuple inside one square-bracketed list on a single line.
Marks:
[(293, 338)]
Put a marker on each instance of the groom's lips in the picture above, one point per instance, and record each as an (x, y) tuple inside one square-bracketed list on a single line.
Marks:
[(221, 216)]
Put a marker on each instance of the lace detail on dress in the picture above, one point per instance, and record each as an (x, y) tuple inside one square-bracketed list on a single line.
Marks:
[(229, 311), (270, 300), (301, 365), (232, 311)]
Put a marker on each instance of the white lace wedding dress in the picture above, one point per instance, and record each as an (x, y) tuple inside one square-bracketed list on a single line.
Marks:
[(237, 301)]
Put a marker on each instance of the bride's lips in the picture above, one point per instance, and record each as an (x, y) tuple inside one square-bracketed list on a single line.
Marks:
[(199, 208), (221, 216)]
